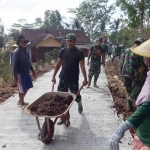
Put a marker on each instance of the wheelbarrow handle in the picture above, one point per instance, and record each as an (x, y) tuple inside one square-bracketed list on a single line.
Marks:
[(53, 86), (79, 90)]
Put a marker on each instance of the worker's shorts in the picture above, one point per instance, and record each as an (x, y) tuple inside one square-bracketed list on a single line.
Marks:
[(73, 86), (24, 82), (138, 145)]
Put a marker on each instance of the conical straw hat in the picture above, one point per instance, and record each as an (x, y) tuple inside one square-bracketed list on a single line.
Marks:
[(143, 49)]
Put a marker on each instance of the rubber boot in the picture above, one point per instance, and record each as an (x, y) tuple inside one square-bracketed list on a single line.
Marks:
[(129, 103), (80, 107), (89, 82), (135, 92), (95, 81)]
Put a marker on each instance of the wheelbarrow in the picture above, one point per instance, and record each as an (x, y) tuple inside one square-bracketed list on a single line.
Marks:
[(47, 131)]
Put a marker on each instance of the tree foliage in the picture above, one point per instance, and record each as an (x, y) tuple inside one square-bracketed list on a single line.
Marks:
[(52, 19), (1, 34), (38, 23), (138, 12), (93, 15), (16, 27)]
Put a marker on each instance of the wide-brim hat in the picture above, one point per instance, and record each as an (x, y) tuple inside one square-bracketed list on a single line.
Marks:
[(143, 49), (15, 45), (22, 38)]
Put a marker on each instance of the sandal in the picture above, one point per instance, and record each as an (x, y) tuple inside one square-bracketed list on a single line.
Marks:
[(25, 103)]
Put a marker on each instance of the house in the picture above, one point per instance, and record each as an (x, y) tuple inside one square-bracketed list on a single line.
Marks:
[(46, 40)]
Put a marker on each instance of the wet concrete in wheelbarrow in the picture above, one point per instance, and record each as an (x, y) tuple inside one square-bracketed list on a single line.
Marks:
[(90, 130)]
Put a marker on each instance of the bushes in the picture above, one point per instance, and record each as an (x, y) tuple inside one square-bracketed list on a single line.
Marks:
[(5, 73), (2, 64), (52, 55)]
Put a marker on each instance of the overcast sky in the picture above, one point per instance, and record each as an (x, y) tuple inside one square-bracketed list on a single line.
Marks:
[(13, 10)]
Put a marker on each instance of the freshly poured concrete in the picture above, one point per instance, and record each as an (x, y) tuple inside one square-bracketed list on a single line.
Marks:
[(91, 130)]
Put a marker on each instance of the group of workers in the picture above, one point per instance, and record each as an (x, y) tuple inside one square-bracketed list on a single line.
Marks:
[(134, 66)]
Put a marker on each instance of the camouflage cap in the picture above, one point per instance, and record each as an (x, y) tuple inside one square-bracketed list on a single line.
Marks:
[(139, 40), (70, 36)]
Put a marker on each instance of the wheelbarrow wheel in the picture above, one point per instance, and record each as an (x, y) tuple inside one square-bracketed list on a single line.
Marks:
[(45, 135)]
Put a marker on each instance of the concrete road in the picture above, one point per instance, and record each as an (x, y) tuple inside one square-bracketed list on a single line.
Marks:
[(91, 130)]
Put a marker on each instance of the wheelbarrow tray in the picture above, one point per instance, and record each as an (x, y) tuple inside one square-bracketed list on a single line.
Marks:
[(45, 97)]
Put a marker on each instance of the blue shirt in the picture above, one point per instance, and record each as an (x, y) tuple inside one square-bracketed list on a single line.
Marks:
[(21, 61)]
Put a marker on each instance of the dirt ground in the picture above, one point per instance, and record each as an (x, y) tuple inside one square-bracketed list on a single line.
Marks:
[(8, 89), (118, 90)]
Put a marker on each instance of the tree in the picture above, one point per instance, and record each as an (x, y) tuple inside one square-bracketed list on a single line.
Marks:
[(1, 34), (38, 23), (75, 24), (93, 15), (52, 19), (137, 11), (17, 27)]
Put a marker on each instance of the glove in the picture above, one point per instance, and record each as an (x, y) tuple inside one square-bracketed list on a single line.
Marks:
[(118, 134)]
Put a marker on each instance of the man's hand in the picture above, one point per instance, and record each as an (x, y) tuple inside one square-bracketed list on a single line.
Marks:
[(85, 82), (88, 63), (54, 79)]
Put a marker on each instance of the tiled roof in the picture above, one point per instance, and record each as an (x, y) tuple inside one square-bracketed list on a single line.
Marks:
[(36, 36)]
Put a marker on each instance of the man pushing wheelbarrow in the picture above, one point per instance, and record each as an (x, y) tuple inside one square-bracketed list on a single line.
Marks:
[(70, 58)]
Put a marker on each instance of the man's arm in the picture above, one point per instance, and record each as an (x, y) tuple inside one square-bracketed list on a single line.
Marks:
[(82, 66), (15, 60), (58, 64), (89, 55)]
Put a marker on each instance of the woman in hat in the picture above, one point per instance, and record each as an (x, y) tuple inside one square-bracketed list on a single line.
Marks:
[(140, 120)]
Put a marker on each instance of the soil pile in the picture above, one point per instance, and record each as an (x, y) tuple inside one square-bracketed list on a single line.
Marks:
[(118, 90), (54, 106)]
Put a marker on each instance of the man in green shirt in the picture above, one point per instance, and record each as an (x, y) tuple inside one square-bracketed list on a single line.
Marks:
[(95, 53), (134, 72), (141, 117)]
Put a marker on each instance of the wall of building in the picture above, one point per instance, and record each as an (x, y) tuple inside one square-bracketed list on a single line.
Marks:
[(49, 42)]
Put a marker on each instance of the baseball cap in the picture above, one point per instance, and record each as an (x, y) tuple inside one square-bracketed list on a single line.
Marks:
[(70, 36)]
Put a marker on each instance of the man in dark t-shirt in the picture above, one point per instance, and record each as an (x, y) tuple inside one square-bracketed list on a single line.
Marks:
[(70, 58)]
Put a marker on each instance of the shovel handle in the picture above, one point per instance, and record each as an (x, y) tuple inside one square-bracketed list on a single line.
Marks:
[(79, 90)]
